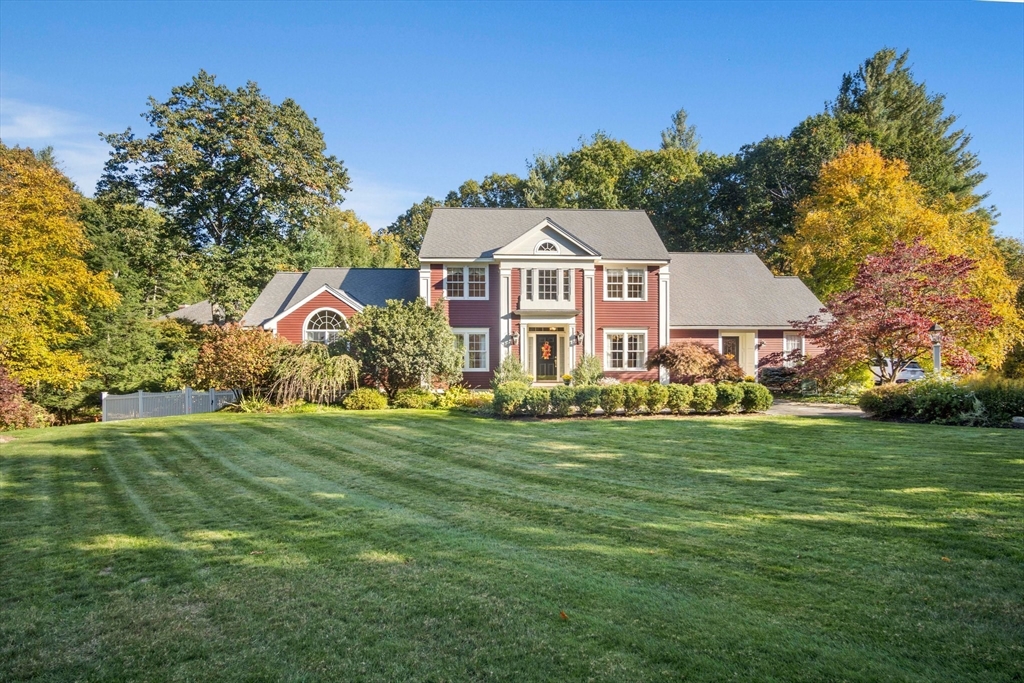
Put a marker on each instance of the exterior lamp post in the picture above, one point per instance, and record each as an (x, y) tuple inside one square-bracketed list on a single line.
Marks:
[(935, 332)]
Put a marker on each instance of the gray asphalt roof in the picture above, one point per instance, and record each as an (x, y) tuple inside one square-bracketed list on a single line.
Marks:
[(369, 286), (734, 290), (479, 232), (201, 312)]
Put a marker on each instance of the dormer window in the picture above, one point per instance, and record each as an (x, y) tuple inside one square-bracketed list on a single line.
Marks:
[(546, 247)]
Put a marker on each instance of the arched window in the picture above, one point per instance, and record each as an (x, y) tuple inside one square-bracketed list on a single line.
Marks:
[(324, 326), (547, 247)]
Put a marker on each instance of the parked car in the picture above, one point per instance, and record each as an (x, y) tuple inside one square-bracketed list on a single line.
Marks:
[(911, 373)]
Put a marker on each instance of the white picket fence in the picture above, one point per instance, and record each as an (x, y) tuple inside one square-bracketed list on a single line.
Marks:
[(166, 404)]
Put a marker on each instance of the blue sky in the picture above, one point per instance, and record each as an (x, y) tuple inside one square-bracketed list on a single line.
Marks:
[(416, 98)]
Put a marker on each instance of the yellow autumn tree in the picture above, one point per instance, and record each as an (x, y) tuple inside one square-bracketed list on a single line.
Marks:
[(862, 203), (45, 286)]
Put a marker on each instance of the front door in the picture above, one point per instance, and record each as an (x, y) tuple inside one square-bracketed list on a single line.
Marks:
[(547, 357), (731, 347)]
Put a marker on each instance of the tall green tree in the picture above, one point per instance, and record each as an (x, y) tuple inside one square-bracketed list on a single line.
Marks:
[(680, 135), (883, 104), (235, 173)]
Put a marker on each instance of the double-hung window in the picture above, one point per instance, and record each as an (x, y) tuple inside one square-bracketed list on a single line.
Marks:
[(792, 345), (625, 350), (472, 343), (466, 282), (625, 284), (547, 284)]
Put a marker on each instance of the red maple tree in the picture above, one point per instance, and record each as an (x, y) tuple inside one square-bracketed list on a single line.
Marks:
[(896, 298)]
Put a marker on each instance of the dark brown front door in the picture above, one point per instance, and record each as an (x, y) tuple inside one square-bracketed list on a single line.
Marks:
[(547, 357), (731, 347)]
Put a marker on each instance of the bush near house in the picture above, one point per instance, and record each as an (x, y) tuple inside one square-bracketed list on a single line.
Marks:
[(414, 398), (517, 398), (509, 397), (588, 371), (510, 370), (680, 396), (563, 400), (537, 401), (365, 399), (989, 401)]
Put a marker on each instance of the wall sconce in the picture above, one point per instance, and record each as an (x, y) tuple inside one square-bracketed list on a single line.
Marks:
[(577, 338), (759, 344), (514, 337)]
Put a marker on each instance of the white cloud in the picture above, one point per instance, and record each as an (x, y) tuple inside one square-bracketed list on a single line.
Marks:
[(75, 142)]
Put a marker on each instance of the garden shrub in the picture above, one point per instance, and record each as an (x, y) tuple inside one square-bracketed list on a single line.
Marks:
[(634, 397), (508, 397), (679, 398), (537, 401), (16, 411), (563, 399), (1003, 399), (689, 362), (414, 398), (943, 401), (255, 404), (889, 402), (657, 397), (310, 373), (588, 371), (510, 370), (612, 397), (704, 396), (365, 399), (588, 399), (729, 397), (780, 379), (477, 401), (756, 398), (452, 397)]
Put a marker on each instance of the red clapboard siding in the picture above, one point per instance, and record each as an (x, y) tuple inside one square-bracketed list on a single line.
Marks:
[(290, 326), (632, 315), (481, 313), (704, 336), (771, 342), (437, 284)]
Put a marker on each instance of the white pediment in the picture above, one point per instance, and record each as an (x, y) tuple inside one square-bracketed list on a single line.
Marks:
[(547, 238)]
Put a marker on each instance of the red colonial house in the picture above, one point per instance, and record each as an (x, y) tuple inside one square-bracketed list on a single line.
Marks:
[(551, 284)]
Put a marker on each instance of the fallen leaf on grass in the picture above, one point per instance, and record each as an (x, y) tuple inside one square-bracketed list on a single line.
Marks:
[(256, 552), (946, 559), (564, 615)]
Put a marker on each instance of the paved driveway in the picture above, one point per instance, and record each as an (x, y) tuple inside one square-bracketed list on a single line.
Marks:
[(784, 407)]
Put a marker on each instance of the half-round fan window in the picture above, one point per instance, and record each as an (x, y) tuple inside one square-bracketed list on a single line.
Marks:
[(324, 326), (547, 247)]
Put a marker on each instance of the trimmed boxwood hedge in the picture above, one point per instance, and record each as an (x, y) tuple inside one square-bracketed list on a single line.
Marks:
[(516, 398)]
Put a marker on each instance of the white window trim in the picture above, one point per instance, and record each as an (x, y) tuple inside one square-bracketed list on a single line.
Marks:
[(465, 282), (625, 351), (309, 317), (536, 248), (464, 332), (534, 295), (625, 282)]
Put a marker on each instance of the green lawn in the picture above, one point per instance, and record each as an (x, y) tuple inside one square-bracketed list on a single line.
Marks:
[(409, 545)]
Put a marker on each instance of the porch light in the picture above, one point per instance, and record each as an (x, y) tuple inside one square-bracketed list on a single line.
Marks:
[(577, 338), (514, 337)]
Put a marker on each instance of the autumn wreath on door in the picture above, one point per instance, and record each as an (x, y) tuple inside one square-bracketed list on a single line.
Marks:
[(545, 351)]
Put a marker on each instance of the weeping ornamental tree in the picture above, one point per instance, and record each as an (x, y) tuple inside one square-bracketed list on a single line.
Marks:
[(896, 298)]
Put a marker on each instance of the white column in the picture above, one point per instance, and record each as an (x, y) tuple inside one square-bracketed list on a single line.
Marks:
[(425, 283), (505, 326), (590, 329), (663, 316)]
